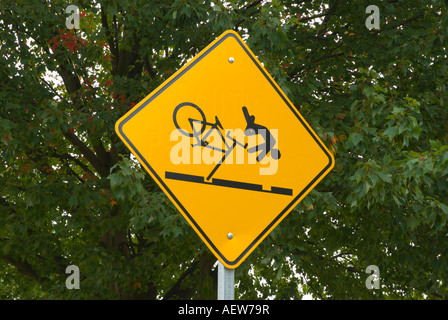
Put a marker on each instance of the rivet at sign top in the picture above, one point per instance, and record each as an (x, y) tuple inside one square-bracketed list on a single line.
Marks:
[(231, 59), (230, 235)]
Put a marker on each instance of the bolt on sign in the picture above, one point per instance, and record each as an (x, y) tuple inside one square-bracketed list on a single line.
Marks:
[(227, 147)]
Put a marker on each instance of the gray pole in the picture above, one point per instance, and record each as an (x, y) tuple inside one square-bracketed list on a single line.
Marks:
[(226, 282)]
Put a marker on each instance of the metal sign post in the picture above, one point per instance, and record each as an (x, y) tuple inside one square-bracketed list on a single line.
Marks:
[(226, 282)]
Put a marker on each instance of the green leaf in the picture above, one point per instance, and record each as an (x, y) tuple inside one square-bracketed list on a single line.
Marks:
[(355, 138), (279, 273), (216, 8), (366, 186), (412, 222), (386, 177), (391, 132), (73, 201)]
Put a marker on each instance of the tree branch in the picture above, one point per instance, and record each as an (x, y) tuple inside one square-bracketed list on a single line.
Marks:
[(110, 39), (87, 153), (328, 14), (26, 269), (175, 289), (77, 161), (248, 6), (404, 22)]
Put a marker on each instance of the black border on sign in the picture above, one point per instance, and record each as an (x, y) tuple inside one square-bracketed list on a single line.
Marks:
[(280, 215)]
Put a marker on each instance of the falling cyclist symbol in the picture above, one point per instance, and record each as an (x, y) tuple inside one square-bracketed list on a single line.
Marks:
[(266, 147), (252, 128)]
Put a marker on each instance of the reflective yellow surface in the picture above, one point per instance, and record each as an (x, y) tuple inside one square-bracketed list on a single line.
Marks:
[(220, 88)]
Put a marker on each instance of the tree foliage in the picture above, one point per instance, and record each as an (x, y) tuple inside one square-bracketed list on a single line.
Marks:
[(72, 194)]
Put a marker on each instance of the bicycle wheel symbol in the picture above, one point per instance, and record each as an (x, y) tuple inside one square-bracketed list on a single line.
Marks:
[(191, 132)]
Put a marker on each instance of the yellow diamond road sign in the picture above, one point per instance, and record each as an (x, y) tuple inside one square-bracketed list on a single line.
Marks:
[(227, 147)]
